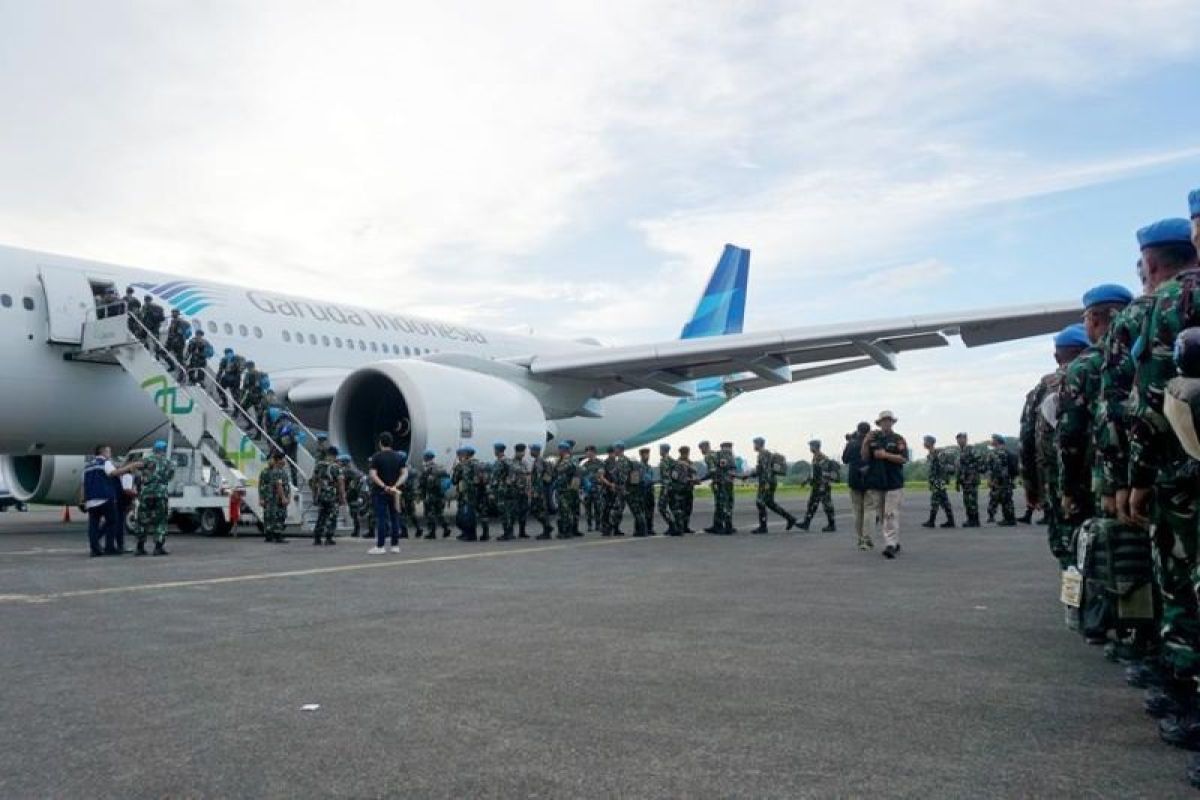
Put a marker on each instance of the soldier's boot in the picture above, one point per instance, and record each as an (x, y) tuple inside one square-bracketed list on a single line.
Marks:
[(1144, 674), (949, 523), (317, 537), (1027, 517), (972, 521), (546, 531), (807, 521), (159, 550), (831, 527), (521, 534), (762, 523), (432, 534), (485, 534), (1170, 698), (445, 531), (791, 522), (576, 532), (141, 548), (1182, 730), (507, 536), (354, 533), (329, 540), (1007, 522), (991, 518), (932, 521)]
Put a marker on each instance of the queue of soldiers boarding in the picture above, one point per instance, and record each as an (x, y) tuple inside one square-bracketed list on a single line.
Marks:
[(1111, 457)]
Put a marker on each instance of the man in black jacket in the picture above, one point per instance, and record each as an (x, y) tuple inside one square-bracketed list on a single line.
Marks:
[(886, 453), (856, 479)]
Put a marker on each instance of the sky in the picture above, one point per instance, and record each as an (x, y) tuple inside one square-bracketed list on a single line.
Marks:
[(575, 167)]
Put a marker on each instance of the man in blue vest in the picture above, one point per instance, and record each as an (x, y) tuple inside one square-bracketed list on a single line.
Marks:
[(101, 485)]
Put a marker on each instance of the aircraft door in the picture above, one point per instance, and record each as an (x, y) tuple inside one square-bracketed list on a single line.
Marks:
[(69, 298)]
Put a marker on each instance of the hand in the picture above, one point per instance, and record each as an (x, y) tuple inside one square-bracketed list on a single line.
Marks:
[(1108, 504), (1122, 506), (1139, 507), (1068, 505)]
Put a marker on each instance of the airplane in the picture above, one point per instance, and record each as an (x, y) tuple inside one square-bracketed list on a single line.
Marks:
[(356, 372)]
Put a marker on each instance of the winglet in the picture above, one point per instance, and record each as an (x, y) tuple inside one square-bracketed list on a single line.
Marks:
[(722, 307)]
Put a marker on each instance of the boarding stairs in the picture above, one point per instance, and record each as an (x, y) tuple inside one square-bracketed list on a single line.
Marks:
[(229, 438)]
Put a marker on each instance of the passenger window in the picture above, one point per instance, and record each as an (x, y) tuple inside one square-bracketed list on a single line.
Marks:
[(312, 338), (374, 348), (257, 332), (28, 303), (212, 327), (406, 351), (287, 337), (228, 329), (362, 345), (243, 331), (396, 349), (325, 341), (337, 342), (6, 300)]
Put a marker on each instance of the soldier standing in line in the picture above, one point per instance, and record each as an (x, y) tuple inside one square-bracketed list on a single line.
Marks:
[(274, 495), (133, 308), (767, 469), (1000, 481), (824, 473), (541, 476), (196, 356), (155, 476), (152, 317), (591, 489), (520, 489), (940, 464), (358, 494), (567, 481), (229, 376), (647, 489), (178, 331), (683, 490), (408, 504), (709, 459), (499, 484), (329, 491), (466, 491), (966, 479), (666, 465), (433, 495), (251, 397), (724, 473)]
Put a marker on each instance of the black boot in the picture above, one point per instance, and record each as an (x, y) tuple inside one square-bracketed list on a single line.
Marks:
[(432, 532), (445, 532), (521, 534), (762, 524), (141, 548), (830, 528), (159, 550), (1027, 517), (949, 523), (804, 525), (931, 522), (791, 523)]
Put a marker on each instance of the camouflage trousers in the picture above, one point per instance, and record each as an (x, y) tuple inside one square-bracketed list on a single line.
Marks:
[(663, 507), (568, 511), (604, 504), (152, 519), (764, 501), (648, 506), (1000, 498), (939, 500), (591, 508), (637, 507), (360, 512), (1173, 535), (819, 496), (274, 521), (970, 498), (435, 513), (538, 506), (327, 520), (506, 509), (723, 507), (408, 509), (679, 501)]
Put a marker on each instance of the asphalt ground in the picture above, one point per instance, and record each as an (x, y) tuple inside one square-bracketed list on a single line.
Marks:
[(787, 665)]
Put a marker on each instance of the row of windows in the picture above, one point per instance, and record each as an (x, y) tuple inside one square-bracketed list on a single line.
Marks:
[(7, 301), (300, 338)]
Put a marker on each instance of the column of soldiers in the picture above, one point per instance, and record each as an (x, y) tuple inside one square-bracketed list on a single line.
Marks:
[(1112, 459)]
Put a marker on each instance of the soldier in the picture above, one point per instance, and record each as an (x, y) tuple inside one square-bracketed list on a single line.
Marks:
[(647, 489), (824, 473), (619, 480), (683, 490), (541, 476), (229, 375), (433, 496), (328, 485), (1000, 482), (178, 331), (767, 470), (196, 356), (568, 478), (409, 489), (886, 453), (358, 496), (133, 308), (252, 394), (665, 466), (941, 466), (1078, 406), (465, 481), (724, 472), (709, 458), (591, 488), (500, 487), (1162, 477), (966, 479), (274, 495), (155, 475), (520, 487)]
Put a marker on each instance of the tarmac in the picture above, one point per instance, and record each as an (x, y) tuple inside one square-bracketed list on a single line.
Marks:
[(787, 665)]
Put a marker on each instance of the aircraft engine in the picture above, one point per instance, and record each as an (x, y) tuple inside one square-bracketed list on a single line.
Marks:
[(53, 480), (425, 405)]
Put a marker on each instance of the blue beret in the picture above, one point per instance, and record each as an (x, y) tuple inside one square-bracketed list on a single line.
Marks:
[(814, 442), (499, 446), (618, 445), (463, 451), (519, 446), (1107, 293), (344, 458), (664, 448), (1072, 336), (1194, 202), (1174, 230), (759, 440), (430, 454), (704, 444), (228, 351), (160, 444), (569, 442), (564, 445), (997, 437), (537, 448), (930, 439)]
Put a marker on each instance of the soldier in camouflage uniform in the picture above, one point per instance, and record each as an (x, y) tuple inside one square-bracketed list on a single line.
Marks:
[(1162, 478), (520, 483), (824, 473), (155, 477), (177, 333), (433, 496), (251, 399), (941, 466), (679, 486), (541, 477), (568, 477), (196, 356), (408, 505), (465, 478), (358, 496), (665, 466), (501, 488), (966, 479), (623, 480), (767, 469), (1000, 482), (274, 495), (723, 473), (328, 485), (647, 489), (1078, 407), (708, 457), (591, 488)]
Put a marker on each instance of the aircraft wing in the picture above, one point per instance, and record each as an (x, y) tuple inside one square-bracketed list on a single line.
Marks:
[(771, 358)]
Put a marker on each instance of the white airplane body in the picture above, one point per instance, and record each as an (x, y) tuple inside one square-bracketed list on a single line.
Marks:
[(356, 371)]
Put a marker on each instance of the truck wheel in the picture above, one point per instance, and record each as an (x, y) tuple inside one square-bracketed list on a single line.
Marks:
[(211, 522)]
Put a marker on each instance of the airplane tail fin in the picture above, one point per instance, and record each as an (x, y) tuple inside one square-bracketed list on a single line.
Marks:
[(722, 307)]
